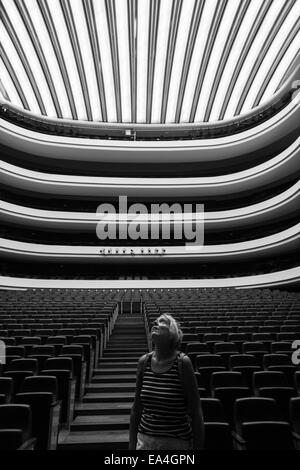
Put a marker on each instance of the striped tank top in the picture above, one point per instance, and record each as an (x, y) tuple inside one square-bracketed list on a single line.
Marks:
[(164, 409)]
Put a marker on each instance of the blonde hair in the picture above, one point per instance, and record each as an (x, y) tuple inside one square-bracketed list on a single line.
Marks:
[(175, 331)]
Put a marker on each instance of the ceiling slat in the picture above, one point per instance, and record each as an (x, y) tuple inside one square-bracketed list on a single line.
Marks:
[(44, 9), (93, 35), (207, 54), (246, 48), (68, 16), (39, 52), (285, 10), (174, 22), (21, 53), (113, 37)]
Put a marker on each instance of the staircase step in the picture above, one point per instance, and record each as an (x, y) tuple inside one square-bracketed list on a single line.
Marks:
[(96, 409), (100, 423), (96, 440), (108, 397), (117, 362), (110, 387), (115, 370), (117, 378)]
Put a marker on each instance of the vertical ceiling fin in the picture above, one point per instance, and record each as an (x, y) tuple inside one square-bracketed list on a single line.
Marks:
[(14, 78), (93, 35), (44, 9), (174, 22), (228, 43), (152, 42), (39, 52), (284, 11), (132, 8), (193, 31), (113, 37), (21, 53), (213, 31), (68, 16), (247, 46)]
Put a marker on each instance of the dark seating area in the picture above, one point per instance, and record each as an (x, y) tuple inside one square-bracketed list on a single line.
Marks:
[(52, 349), (239, 341)]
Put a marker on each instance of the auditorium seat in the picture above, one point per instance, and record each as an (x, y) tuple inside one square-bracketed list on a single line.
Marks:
[(15, 428), (226, 379), (18, 377), (24, 364), (65, 393), (228, 396), (264, 435), (195, 349), (6, 389), (206, 364), (247, 364), (295, 420), (281, 395), (217, 437), (268, 379)]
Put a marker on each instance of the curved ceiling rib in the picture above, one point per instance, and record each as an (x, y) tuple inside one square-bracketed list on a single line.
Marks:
[(69, 19), (157, 62), (14, 77), (196, 18), (25, 62), (93, 35), (284, 12), (236, 25), (44, 9), (39, 52), (173, 29), (214, 28), (246, 48), (153, 29), (113, 37)]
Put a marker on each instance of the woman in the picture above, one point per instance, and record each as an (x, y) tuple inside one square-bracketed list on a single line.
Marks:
[(166, 414)]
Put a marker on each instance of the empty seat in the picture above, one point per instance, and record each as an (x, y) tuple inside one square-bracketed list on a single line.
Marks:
[(281, 395), (247, 364), (295, 420), (268, 379), (45, 417), (228, 396), (61, 363), (206, 364), (226, 379), (66, 393), (18, 377), (267, 436), (45, 350), (41, 383), (213, 411), (195, 349), (15, 427), (6, 389), (275, 360), (25, 364), (217, 437)]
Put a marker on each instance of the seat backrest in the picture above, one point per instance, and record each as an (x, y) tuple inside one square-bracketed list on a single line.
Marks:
[(295, 414), (6, 386), (226, 379), (24, 364), (255, 409), (212, 410), (276, 360), (241, 360), (16, 417), (269, 379), (40, 383), (209, 360), (62, 363)]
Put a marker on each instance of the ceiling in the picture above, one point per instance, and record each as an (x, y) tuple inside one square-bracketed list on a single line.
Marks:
[(146, 61)]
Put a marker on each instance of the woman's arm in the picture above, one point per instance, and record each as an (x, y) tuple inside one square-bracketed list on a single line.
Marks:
[(137, 408), (193, 404)]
